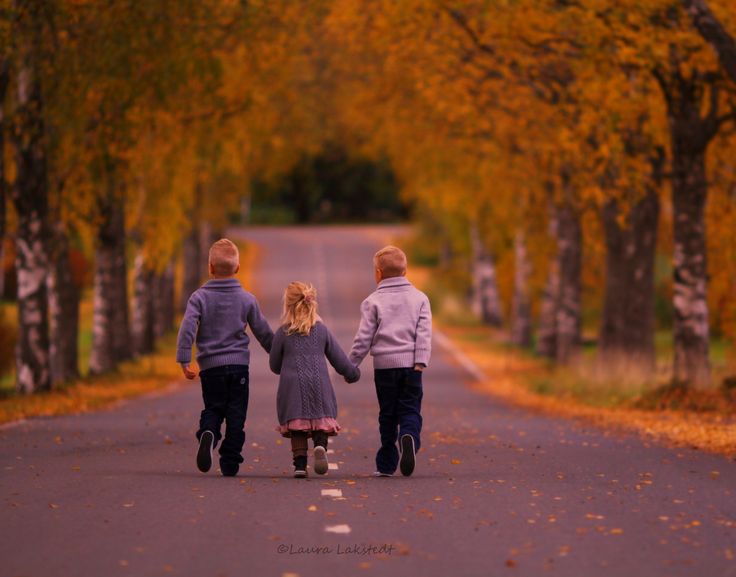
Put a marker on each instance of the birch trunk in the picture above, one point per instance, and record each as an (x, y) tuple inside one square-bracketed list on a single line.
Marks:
[(193, 269), (63, 312), (486, 302), (547, 332), (569, 255), (4, 81), (164, 295), (627, 326), (521, 329), (691, 330), (142, 310), (690, 134), (30, 197), (205, 242), (110, 331)]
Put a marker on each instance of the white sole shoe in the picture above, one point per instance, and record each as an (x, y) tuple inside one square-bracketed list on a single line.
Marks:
[(320, 461)]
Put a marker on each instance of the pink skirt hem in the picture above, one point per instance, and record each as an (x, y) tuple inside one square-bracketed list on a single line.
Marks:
[(326, 424)]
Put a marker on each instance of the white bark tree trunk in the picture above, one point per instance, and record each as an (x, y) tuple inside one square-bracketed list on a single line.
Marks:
[(521, 329), (110, 331), (30, 197), (486, 301), (142, 309), (63, 312)]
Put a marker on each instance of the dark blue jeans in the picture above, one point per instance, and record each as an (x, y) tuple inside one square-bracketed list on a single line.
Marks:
[(225, 395), (399, 394)]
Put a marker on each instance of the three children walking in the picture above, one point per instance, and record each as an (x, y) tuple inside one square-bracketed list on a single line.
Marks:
[(395, 328)]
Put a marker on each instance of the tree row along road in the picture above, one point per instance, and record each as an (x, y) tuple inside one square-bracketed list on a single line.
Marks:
[(497, 490)]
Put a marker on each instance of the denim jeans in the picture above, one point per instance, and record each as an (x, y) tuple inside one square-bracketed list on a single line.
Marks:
[(225, 394), (399, 394)]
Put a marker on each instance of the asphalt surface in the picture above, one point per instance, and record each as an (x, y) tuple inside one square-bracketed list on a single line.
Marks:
[(497, 490)]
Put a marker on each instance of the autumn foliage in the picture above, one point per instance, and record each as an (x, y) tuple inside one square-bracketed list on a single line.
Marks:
[(552, 150)]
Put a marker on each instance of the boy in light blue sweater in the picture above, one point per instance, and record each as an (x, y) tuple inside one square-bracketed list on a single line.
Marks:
[(396, 328), (217, 316)]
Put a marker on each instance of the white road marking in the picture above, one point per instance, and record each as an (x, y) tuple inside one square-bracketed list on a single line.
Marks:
[(331, 493), (332, 466), (460, 357), (343, 529)]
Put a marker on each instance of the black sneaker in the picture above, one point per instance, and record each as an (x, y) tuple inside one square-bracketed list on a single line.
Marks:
[(407, 462), (300, 467), (229, 469), (204, 454)]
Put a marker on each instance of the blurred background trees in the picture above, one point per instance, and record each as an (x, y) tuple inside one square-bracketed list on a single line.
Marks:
[(569, 165)]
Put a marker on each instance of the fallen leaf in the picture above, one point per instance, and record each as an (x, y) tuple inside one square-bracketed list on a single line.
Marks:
[(455, 461), (510, 563), (54, 506), (312, 508), (617, 531)]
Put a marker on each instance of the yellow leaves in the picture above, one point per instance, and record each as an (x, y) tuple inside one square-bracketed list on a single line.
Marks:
[(455, 461)]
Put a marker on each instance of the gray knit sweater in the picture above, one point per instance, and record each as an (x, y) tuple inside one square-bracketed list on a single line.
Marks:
[(216, 317), (395, 326), (305, 391)]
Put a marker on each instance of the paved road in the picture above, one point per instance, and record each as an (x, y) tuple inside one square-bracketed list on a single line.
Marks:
[(497, 491)]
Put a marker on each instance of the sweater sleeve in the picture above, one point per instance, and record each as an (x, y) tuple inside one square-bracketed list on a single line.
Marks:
[(276, 356), (366, 332), (423, 346), (259, 325), (188, 330), (339, 360)]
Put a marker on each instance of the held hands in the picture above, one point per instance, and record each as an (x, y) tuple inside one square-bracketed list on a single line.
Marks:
[(356, 376), (188, 373), (419, 367)]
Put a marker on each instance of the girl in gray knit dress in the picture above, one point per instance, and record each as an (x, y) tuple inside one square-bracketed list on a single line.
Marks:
[(305, 401)]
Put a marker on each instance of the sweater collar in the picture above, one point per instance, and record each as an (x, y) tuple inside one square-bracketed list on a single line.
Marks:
[(222, 283), (393, 282)]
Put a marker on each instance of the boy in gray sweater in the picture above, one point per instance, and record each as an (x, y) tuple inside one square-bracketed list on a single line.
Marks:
[(396, 327), (216, 318)]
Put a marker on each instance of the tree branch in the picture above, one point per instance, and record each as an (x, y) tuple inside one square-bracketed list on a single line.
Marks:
[(713, 32)]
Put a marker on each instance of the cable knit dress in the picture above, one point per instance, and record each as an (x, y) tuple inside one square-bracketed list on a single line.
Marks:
[(306, 400)]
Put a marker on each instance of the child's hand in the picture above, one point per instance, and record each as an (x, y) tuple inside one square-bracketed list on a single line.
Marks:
[(355, 377), (419, 367), (188, 373)]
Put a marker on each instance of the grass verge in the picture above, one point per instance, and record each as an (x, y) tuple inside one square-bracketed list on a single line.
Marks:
[(703, 420)]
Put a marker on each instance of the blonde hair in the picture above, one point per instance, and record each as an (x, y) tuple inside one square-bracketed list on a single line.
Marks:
[(300, 308), (391, 261), (224, 257)]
